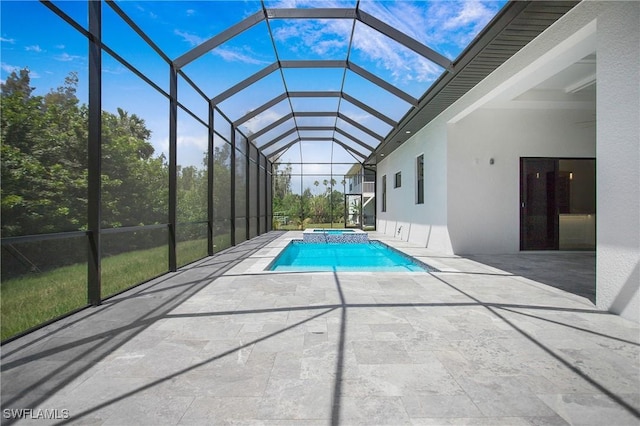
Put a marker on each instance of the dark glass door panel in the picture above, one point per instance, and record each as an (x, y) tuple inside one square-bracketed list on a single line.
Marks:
[(538, 204), (577, 206), (557, 204)]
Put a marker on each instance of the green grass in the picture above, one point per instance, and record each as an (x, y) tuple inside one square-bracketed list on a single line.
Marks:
[(190, 251), (33, 299)]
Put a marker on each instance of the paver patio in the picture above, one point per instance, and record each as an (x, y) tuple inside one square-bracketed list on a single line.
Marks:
[(223, 342)]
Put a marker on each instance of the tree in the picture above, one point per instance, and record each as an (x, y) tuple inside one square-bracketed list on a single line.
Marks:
[(192, 194), (281, 180), (134, 183), (282, 190), (222, 182), (44, 179), (337, 206), (44, 163)]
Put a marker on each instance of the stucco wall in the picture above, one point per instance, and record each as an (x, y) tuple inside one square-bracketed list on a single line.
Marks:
[(618, 164), (613, 28), (427, 224), (483, 199), (423, 224)]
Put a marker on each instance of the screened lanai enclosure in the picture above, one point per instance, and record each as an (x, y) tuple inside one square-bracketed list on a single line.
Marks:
[(138, 137)]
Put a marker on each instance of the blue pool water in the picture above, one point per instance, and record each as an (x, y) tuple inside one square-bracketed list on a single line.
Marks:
[(371, 256)]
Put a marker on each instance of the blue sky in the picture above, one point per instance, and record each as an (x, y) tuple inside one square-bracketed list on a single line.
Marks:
[(32, 36)]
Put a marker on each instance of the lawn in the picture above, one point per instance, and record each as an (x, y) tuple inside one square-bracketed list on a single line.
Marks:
[(33, 299)]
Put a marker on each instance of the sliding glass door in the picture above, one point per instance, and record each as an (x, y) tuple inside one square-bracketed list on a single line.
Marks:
[(538, 219), (557, 204)]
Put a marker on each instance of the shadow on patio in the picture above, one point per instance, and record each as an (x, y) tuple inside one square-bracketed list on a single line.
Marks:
[(207, 345)]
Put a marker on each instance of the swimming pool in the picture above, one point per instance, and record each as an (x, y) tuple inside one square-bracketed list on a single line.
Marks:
[(344, 257)]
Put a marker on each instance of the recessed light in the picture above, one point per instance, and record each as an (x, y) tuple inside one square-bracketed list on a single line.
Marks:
[(408, 131)]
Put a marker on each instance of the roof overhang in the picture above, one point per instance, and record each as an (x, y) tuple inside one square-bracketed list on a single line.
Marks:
[(518, 23)]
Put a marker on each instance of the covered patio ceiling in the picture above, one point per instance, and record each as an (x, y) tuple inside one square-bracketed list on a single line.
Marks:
[(352, 81)]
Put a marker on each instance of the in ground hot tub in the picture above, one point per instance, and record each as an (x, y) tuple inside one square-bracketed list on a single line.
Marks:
[(330, 235)]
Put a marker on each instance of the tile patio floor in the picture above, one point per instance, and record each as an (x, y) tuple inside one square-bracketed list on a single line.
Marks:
[(223, 342)]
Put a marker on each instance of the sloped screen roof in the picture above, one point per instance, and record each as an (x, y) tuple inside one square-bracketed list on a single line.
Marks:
[(322, 77)]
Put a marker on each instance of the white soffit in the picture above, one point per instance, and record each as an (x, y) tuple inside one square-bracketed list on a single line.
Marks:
[(574, 49)]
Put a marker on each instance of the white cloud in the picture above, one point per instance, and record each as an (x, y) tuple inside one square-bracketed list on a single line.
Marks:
[(262, 120), (445, 26), (426, 70), (284, 4), (323, 37), (244, 55), (114, 71), (327, 37), (9, 68), (14, 68), (201, 143), (402, 16), (475, 13), (149, 13), (7, 40), (192, 142), (34, 48), (192, 39), (65, 57), (377, 47), (331, 4), (325, 46), (458, 23), (403, 65), (60, 46), (190, 12), (229, 54), (318, 151), (357, 115), (163, 146)]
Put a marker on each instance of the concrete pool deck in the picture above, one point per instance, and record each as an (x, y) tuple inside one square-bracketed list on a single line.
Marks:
[(223, 342)]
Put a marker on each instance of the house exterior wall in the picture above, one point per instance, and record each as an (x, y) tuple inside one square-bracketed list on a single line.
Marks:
[(424, 224), (483, 198), (618, 161), (473, 207)]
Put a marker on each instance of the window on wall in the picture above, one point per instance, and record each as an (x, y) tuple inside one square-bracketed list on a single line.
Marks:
[(384, 193), (398, 180), (420, 179)]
